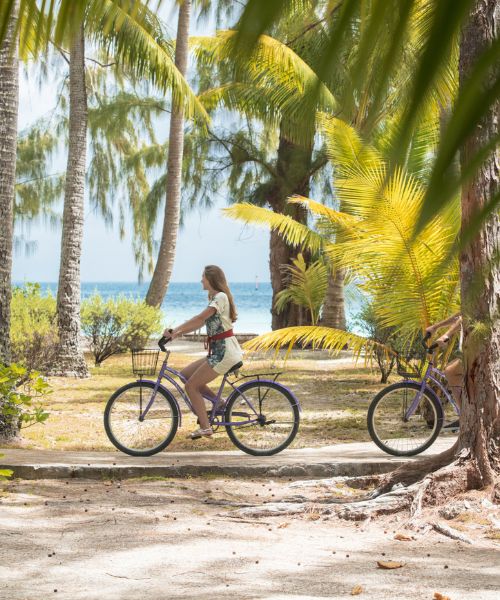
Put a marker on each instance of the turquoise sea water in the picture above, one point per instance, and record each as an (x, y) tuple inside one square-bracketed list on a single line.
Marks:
[(185, 300)]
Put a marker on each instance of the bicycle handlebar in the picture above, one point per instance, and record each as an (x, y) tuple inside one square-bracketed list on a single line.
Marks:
[(429, 349), (163, 341)]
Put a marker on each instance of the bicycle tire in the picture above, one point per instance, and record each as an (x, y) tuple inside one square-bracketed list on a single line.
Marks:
[(113, 436), (375, 430), (240, 435)]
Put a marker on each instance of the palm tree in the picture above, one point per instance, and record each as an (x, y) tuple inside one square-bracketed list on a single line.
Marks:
[(278, 85), (131, 32), (411, 281), (70, 360), (166, 255), (480, 269), (9, 99)]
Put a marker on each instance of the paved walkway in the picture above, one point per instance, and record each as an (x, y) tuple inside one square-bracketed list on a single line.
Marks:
[(328, 461)]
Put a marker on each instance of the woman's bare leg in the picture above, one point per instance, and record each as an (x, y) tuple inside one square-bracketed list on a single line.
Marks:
[(192, 368), (197, 382), (454, 373)]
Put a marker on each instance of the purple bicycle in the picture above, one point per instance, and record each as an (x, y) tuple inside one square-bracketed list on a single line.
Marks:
[(260, 415), (405, 418)]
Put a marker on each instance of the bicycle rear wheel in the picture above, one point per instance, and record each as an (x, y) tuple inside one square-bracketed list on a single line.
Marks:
[(388, 427), (264, 418), (122, 421)]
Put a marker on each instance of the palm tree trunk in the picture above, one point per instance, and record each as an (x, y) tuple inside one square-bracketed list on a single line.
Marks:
[(70, 360), (293, 169), (9, 100), (480, 271), (333, 314), (166, 255)]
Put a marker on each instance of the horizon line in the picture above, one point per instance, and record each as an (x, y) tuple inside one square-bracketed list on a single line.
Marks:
[(133, 282)]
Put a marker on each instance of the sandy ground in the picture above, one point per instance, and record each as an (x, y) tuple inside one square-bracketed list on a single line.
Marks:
[(164, 539)]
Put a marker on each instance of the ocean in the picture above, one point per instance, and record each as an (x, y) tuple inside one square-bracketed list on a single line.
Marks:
[(185, 300)]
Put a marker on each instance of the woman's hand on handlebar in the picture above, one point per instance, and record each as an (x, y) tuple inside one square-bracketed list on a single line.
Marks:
[(168, 336), (443, 341)]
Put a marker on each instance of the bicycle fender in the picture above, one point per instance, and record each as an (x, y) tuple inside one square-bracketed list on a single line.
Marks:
[(167, 393), (275, 383)]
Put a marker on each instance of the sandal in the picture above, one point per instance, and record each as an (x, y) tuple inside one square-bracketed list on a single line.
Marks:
[(194, 435)]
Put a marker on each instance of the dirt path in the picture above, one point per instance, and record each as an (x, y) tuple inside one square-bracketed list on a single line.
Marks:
[(167, 539)]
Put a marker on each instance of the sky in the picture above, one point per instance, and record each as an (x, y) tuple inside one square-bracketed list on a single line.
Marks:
[(206, 238)]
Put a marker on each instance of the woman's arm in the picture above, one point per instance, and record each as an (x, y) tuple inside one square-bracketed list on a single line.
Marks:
[(191, 325), (445, 338), (456, 318)]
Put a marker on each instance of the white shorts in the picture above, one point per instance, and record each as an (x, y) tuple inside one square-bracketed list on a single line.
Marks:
[(225, 355)]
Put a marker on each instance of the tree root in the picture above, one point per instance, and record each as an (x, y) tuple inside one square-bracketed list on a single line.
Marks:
[(409, 474), (451, 533)]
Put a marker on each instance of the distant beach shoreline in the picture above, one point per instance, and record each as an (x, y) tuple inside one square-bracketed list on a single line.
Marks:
[(185, 300)]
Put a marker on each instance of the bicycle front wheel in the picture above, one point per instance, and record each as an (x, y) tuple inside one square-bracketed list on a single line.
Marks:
[(395, 434), (123, 424), (263, 418)]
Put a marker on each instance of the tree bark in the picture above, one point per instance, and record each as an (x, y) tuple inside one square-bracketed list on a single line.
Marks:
[(293, 168), (166, 255), (70, 360), (480, 270), (333, 314), (9, 100)]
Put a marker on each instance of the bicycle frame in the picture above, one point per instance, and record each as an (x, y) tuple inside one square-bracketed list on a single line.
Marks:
[(429, 375), (168, 373)]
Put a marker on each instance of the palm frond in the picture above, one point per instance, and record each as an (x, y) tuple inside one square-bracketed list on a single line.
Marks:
[(295, 233), (324, 338), (133, 33), (306, 286)]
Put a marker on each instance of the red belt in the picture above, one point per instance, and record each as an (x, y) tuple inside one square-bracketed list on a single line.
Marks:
[(217, 336)]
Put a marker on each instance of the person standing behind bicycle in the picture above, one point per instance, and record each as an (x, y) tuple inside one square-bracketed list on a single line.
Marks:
[(223, 349), (454, 370)]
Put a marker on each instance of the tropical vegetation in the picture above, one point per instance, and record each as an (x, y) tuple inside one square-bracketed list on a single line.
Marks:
[(362, 133)]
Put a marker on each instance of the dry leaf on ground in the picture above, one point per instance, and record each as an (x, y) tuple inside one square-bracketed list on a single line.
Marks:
[(283, 525), (356, 590), (389, 564), (438, 596), (403, 537)]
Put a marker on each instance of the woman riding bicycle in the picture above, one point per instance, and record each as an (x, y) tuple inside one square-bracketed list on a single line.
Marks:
[(223, 349)]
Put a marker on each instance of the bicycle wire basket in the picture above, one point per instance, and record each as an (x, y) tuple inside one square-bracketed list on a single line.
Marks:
[(410, 364), (144, 361)]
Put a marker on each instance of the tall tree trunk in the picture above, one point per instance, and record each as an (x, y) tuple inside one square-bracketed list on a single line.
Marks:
[(70, 360), (166, 255), (480, 270), (333, 314), (293, 168), (9, 100)]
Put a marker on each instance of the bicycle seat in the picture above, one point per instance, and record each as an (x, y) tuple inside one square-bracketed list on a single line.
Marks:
[(235, 368)]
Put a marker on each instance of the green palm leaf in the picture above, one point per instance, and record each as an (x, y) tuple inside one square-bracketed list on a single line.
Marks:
[(325, 338)]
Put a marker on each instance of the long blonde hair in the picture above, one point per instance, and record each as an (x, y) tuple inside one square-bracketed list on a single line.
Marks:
[(217, 280)]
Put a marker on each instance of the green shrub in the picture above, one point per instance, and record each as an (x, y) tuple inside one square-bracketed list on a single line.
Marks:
[(20, 392), (115, 326), (33, 330)]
